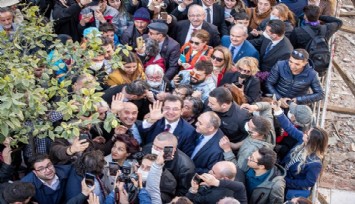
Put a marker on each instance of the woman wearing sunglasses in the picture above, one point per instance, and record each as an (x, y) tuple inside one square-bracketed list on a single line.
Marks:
[(244, 78), (192, 51), (222, 63)]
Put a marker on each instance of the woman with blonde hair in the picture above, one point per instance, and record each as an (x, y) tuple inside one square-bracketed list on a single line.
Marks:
[(281, 12), (304, 162), (131, 70), (244, 78), (197, 47), (222, 62), (232, 7)]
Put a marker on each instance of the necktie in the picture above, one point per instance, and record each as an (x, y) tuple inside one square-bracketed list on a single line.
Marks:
[(208, 15), (199, 140), (167, 128), (197, 148), (268, 48), (232, 51)]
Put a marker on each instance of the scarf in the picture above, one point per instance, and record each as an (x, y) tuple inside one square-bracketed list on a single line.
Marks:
[(256, 19), (192, 59)]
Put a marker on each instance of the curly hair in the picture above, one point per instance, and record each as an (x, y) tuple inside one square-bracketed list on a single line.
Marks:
[(90, 162)]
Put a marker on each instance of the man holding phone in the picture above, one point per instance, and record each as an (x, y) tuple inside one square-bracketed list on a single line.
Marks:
[(180, 166), (49, 180)]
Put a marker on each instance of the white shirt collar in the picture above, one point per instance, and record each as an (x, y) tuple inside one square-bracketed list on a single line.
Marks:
[(172, 125), (54, 185)]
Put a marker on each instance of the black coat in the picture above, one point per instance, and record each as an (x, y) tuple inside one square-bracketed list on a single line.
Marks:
[(300, 38), (209, 195), (182, 28), (281, 51), (66, 20), (217, 18), (181, 167), (252, 89)]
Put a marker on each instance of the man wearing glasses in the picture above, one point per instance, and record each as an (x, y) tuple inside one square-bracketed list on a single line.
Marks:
[(238, 45), (166, 117), (290, 80), (264, 181), (184, 28), (49, 181)]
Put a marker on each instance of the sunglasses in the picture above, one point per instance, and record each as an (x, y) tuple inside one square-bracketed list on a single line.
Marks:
[(298, 55), (194, 42), (195, 75), (218, 59)]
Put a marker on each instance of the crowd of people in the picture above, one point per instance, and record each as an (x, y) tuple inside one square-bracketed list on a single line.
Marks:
[(214, 103)]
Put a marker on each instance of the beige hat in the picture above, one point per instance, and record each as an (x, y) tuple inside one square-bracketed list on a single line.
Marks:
[(6, 3)]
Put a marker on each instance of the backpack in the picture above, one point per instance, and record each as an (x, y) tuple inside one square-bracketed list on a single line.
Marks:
[(318, 49)]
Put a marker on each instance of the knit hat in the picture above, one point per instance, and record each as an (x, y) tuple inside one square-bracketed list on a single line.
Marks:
[(6, 3), (142, 14), (160, 27), (90, 30), (302, 113)]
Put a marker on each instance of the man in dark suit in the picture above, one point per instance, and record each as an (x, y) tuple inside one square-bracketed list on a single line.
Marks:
[(214, 13), (213, 192), (273, 46), (166, 117), (238, 45), (183, 29), (169, 48), (207, 151)]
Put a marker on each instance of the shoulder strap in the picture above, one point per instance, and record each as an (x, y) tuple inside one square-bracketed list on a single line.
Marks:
[(309, 31), (323, 30)]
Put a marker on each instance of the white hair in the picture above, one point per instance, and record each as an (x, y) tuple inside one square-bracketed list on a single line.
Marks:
[(154, 69)]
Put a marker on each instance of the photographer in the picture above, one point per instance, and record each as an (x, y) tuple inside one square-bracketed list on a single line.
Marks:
[(120, 157)]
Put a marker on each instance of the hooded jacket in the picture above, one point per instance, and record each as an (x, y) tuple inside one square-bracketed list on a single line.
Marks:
[(272, 189)]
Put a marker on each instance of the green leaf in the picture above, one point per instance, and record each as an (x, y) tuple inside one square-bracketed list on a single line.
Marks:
[(4, 130)]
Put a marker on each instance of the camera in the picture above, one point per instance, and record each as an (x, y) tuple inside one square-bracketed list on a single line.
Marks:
[(127, 174)]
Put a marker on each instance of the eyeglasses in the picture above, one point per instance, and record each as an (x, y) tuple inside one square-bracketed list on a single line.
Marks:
[(151, 33), (171, 109), (218, 59), (195, 75), (151, 78), (43, 169), (244, 70), (158, 148), (299, 55), (197, 16), (194, 42), (251, 159)]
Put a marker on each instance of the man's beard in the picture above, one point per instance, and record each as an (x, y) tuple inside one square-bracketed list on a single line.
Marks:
[(196, 82)]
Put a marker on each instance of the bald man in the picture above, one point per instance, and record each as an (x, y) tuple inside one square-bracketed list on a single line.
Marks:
[(128, 117), (180, 166), (220, 183)]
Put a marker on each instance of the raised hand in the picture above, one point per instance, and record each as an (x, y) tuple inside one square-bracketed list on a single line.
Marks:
[(117, 103), (78, 145), (156, 112), (250, 108)]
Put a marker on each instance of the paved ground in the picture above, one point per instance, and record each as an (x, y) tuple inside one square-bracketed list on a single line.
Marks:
[(334, 196)]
